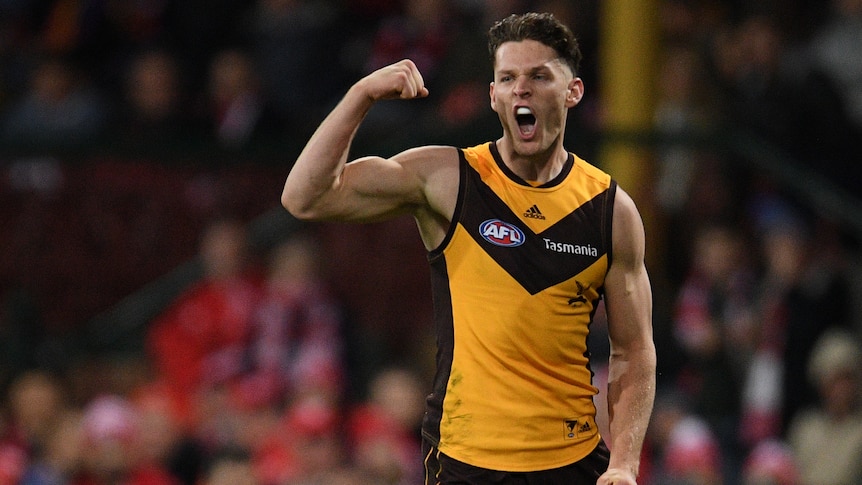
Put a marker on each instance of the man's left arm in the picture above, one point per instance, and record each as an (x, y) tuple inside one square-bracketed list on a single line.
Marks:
[(632, 367)]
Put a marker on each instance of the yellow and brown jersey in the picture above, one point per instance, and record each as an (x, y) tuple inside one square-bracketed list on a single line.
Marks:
[(515, 285)]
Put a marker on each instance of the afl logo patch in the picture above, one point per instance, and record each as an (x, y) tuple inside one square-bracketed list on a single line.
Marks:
[(501, 233)]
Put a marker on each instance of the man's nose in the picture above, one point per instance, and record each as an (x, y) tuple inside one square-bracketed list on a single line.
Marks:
[(522, 86)]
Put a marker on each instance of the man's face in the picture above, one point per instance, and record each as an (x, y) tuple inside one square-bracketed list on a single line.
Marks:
[(531, 93)]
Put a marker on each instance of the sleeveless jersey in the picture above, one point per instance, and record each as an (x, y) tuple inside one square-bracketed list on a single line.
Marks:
[(515, 286)]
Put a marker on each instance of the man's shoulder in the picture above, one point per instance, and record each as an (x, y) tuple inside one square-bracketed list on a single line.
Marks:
[(449, 152), (428, 160), (591, 170), (429, 153), (482, 148)]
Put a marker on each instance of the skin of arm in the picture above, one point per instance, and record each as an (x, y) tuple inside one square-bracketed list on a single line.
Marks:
[(320, 187), (323, 185), (632, 367)]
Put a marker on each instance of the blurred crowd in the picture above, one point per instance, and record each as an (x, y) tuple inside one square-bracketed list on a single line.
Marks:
[(257, 373), (761, 377), (244, 379), (233, 72)]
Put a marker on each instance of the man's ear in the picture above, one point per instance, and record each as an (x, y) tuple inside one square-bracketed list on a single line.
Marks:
[(493, 98), (575, 92)]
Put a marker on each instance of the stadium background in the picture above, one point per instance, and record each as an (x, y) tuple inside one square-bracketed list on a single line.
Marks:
[(707, 111)]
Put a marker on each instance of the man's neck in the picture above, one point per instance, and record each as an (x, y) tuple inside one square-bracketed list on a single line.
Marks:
[(536, 169)]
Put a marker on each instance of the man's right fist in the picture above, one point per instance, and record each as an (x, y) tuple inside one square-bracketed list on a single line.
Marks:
[(401, 80)]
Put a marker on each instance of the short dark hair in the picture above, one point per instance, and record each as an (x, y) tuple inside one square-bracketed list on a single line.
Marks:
[(541, 27)]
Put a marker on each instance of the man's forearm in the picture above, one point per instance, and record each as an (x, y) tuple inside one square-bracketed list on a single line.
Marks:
[(631, 392), (319, 164)]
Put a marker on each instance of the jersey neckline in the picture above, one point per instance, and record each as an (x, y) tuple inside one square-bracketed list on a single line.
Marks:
[(498, 159)]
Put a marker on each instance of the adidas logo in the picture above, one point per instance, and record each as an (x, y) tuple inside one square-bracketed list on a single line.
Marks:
[(576, 428), (534, 213)]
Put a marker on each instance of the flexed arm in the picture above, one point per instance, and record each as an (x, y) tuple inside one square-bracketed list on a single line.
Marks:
[(320, 184)]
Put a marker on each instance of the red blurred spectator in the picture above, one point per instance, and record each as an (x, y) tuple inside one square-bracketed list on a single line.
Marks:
[(295, 342), (165, 439), (771, 462), (111, 447), (423, 31), (804, 291), (680, 448), (712, 325), (420, 33), (13, 461), (383, 431), (199, 341), (305, 446), (692, 454)]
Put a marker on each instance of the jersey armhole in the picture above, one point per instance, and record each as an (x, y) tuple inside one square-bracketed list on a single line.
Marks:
[(456, 215), (608, 221)]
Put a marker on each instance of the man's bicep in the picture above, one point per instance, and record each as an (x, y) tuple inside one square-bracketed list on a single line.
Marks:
[(629, 306), (372, 188), (375, 188), (627, 286)]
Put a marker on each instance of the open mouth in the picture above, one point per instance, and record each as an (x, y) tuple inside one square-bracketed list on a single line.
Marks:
[(526, 121)]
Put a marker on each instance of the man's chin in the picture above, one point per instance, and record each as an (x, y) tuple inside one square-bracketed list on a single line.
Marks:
[(528, 148)]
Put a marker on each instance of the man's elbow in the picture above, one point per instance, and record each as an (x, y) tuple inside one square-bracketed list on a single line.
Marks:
[(296, 206)]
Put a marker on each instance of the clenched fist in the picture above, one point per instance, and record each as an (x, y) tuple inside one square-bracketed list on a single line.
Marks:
[(401, 80)]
